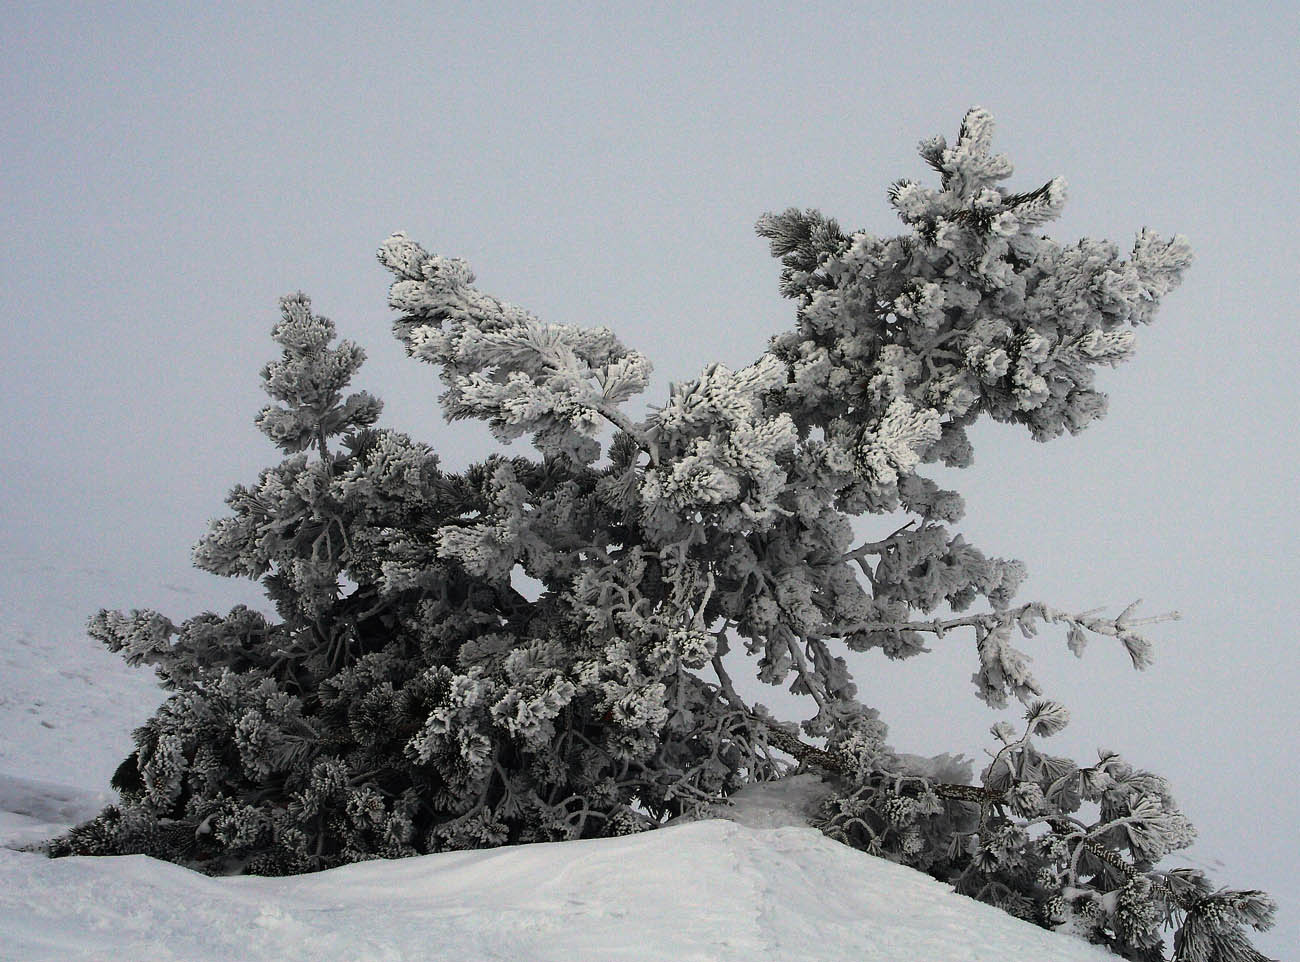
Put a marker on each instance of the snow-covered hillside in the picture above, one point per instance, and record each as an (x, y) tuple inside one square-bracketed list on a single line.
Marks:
[(756, 885), (710, 890)]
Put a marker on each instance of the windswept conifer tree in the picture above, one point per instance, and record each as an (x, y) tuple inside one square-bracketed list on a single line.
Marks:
[(408, 699)]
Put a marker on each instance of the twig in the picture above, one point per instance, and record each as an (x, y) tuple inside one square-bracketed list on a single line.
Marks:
[(874, 547), (1101, 626)]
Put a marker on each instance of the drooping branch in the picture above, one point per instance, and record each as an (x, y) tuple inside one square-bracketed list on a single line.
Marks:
[(807, 754), (827, 761), (1112, 627)]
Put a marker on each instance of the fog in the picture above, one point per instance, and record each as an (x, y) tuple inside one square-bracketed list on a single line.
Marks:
[(170, 170)]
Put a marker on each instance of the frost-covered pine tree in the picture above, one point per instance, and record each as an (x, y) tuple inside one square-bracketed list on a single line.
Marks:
[(408, 699)]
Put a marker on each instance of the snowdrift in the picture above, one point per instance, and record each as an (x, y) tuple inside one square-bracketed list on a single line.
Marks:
[(759, 887)]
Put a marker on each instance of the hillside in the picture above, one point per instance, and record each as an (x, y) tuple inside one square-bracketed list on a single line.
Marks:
[(755, 889)]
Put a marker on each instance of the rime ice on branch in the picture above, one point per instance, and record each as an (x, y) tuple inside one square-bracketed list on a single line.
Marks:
[(434, 707), (900, 345)]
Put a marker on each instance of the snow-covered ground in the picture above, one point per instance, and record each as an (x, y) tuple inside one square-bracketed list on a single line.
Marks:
[(756, 888), (709, 890), (754, 885)]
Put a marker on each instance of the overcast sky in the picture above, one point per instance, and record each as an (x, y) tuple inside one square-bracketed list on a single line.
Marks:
[(170, 170)]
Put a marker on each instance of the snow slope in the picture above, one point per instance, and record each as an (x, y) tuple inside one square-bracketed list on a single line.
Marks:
[(709, 890), (753, 886)]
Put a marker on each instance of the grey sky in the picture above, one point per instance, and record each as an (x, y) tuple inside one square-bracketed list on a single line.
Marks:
[(170, 170)]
